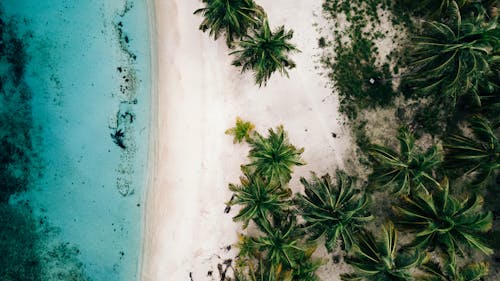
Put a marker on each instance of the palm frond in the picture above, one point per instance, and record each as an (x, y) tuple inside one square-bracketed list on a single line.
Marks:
[(479, 154), (433, 271)]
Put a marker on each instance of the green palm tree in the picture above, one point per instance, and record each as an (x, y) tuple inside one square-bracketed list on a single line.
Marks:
[(443, 221), (232, 18), (335, 211), (451, 272), (274, 157), (251, 252), (265, 52), (380, 260), (409, 170), (241, 131), (281, 243), (455, 57), (306, 267), (264, 271), (433, 8), (258, 197), (479, 154)]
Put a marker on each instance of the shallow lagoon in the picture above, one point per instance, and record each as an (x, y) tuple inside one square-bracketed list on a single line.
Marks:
[(88, 71)]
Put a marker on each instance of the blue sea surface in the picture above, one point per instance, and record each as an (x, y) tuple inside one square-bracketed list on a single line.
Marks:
[(87, 69)]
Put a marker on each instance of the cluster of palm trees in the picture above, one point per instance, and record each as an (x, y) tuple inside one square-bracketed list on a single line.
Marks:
[(441, 218), (439, 208), (279, 251), (337, 213), (443, 222), (255, 46), (455, 61)]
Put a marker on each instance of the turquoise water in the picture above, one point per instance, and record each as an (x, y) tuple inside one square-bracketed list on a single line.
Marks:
[(87, 71)]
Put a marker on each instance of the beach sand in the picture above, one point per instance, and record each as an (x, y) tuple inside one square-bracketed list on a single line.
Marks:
[(198, 96)]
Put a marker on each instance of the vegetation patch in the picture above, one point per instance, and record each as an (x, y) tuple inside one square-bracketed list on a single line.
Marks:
[(359, 81), (363, 79), (438, 82)]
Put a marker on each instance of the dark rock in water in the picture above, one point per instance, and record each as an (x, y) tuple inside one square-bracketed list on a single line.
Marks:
[(129, 115), (118, 138), (209, 273), (334, 135), (17, 59), (227, 209), (15, 116), (19, 258)]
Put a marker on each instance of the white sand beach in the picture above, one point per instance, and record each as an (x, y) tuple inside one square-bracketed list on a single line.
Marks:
[(199, 96)]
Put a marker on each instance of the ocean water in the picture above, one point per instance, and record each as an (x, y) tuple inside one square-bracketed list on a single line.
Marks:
[(75, 107)]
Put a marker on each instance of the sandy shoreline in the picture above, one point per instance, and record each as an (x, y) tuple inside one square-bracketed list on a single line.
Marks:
[(152, 162), (198, 96)]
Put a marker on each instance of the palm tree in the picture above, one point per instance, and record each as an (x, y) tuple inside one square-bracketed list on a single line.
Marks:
[(451, 272), (332, 210), (241, 131), (409, 170), (274, 157), (306, 267), (440, 220), (251, 252), (264, 271), (479, 155), (281, 243), (265, 52), (231, 18), (380, 260), (258, 197), (433, 8), (455, 57)]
